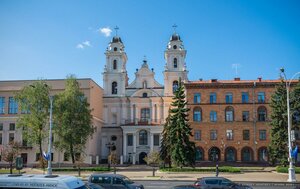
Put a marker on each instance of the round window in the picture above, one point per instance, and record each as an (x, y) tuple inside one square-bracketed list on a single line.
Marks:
[(174, 47), (115, 49), (113, 138)]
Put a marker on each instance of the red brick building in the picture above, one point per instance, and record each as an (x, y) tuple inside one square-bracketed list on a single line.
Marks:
[(230, 119)]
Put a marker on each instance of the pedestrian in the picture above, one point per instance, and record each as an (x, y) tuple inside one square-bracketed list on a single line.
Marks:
[(217, 170)]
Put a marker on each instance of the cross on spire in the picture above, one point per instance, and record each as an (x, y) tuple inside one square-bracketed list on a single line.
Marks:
[(116, 28), (174, 27)]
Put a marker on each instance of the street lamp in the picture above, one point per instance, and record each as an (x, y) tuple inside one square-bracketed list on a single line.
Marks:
[(49, 169), (292, 176)]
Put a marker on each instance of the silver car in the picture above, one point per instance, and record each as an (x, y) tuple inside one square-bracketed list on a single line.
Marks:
[(218, 183), (114, 181)]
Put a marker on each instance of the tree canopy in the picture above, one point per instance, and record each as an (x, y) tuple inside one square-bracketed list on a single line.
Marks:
[(73, 125)]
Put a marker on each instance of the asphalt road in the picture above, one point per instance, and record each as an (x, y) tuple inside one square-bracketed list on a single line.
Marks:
[(159, 184)]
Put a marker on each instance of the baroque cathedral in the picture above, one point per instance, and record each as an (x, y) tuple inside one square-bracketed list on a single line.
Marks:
[(134, 113)]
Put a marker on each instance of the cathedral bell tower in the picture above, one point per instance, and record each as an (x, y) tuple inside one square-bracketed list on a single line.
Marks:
[(115, 77), (175, 66)]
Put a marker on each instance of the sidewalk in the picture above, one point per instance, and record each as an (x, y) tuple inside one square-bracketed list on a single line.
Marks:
[(145, 173)]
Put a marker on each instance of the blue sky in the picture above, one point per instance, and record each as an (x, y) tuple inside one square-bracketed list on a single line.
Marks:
[(51, 39)]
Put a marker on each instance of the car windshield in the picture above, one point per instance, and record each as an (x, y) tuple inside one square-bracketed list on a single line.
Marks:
[(127, 180)]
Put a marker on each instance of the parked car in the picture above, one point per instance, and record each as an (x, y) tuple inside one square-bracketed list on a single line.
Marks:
[(93, 186), (218, 182), (184, 187), (114, 181)]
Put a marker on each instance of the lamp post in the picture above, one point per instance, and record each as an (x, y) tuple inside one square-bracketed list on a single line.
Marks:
[(49, 169), (292, 176)]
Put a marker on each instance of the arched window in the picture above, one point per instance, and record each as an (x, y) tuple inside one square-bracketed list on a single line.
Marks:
[(145, 114), (214, 154), (145, 95), (247, 154), (175, 62), (114, 89), (262, 113), (175, 86), (143, 137), (230, 154), (197, 115), (263, 154), (229, 114), (115, 49), (115, 65), (199, 154)]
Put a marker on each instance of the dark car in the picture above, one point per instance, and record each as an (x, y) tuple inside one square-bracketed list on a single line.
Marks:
[(184, 187), (218, 182), (93, 186), (114, 181)]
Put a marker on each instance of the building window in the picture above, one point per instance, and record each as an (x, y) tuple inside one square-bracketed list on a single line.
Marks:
[(262, 134), (245, 97), (1, 126), (1, 139), (197, 115), (197, 98), (156, 139), (66, 156), (12, 106), (129, 140), (245, 115), (145, 84), (229, 134), (143, 137), (247, 154), (213, 116), (145, 95), (263, 154), (145, 114), (229, 114), (199, 154), (12, 126), (262, 113), (2, 105), (114, 89), (213, 98), (246, 135), (175, 62), (115, 65), (213, 134), (230, 154), (197, 135), (175, 86), (115, 49), (228, 98), (11, 137), (261, 97)]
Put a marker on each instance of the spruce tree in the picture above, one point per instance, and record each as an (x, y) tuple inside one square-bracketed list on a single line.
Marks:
[(295, 107), (278, 148), (182, 149), (165, 147)]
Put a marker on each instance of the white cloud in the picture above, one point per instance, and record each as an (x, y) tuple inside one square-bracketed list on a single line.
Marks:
[(86, 43), (83, 45), (79, 46), (106, 31)]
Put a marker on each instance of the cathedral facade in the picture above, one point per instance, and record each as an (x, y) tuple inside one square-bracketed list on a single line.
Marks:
[(134, 113)]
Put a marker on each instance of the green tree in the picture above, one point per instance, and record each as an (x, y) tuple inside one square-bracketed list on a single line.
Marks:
[(165, 147), (182, 149), (73, 124), (278, 148), (34, 103), (278, 151)]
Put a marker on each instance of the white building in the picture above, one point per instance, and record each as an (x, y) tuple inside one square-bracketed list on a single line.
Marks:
[(134, 113)]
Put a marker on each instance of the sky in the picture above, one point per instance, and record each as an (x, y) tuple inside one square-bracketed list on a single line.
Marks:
[(223, 38)]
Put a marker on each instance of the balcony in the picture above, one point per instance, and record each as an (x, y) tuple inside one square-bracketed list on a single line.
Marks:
[(142, 122)]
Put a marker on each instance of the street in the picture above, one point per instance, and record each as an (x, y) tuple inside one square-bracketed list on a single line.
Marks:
[(160, 184)]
